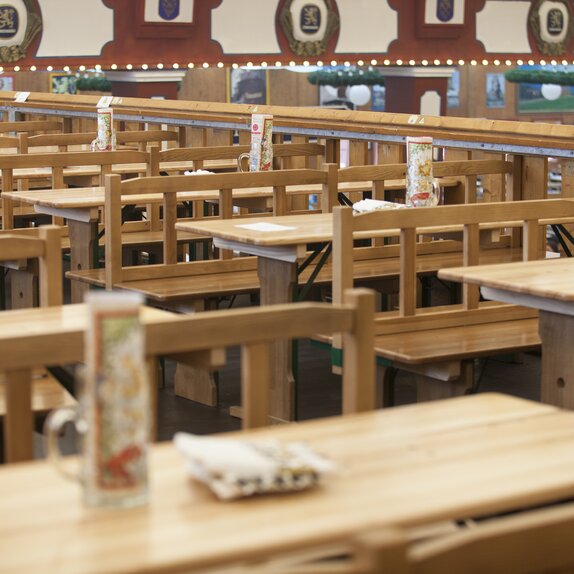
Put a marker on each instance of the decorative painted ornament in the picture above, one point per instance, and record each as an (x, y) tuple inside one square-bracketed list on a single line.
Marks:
[(308, 25)]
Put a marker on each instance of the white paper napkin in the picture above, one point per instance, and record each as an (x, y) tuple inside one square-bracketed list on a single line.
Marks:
[(197, 172), (234, 469), (366, 205)]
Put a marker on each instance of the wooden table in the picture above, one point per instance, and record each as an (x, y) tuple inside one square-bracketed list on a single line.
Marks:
[(36, 337), (547, 285), (80, 207), (406, 466), (84, 175), (279, 254)]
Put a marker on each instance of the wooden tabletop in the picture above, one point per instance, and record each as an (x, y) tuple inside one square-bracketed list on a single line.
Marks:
[(549, 278), (88, 197), (546, 284), (302, 229), (124, 169), (408, 465), (52, 335)]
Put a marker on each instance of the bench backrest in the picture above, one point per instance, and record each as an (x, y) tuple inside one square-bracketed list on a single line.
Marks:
[(140, 138), (255, 329), (536, 542), (378, 174), (198, 155), (409, 223), (28, 126), (57, 162), (42, 243)]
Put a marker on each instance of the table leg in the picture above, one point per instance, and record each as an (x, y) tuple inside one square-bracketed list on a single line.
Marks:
[(277, 279), (19, 421), (557, 380), (83, 244)]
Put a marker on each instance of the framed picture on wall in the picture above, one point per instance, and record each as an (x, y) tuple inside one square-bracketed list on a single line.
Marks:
[(247, 86), (63, 84), (495, 91), (378, 95), (544, 98), (6, 83), (453, 90)]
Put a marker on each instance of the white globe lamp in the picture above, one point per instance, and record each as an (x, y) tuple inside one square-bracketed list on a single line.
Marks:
[(551, 91), (359, 95)]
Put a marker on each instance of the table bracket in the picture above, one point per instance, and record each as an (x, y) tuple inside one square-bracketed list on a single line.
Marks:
[(300, 295), (127, 211), (560, 231)]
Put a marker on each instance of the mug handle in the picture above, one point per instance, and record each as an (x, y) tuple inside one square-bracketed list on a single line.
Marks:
[(53, 426), (241, 162)]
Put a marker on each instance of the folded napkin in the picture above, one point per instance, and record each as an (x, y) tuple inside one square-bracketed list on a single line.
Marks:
[(234, 468), (366, 205), (197, 172)]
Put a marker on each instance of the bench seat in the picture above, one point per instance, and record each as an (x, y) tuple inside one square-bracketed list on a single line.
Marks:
[(459, 343), (166, 289)]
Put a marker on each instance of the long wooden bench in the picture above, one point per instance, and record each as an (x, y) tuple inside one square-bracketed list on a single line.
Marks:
[(439, 343)]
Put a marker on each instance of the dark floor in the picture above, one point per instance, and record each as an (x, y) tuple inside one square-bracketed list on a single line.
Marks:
[(319, 391)]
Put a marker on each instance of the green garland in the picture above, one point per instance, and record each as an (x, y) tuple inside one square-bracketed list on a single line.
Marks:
[(346, 77), (540, 77), (94, 84)]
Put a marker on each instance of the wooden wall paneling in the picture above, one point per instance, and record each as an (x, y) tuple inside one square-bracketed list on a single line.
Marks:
[(287, 88), (204, 85)]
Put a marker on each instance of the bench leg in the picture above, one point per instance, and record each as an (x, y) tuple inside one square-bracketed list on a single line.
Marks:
[(557, 384), (23, 289), (83, 243), (386, 390), (192, 382), (19, 421), (195, 384), (432, 389)]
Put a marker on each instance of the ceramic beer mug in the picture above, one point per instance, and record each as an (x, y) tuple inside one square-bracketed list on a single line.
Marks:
[(422, 189), (113, 413), (106, 140)]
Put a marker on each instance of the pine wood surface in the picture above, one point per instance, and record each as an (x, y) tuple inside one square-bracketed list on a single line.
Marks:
[(71, 198), (459, 343), (120, 168), (476, 130), (51, 335), (405, 466), (548, 278), (320, 228), (535, 542)]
